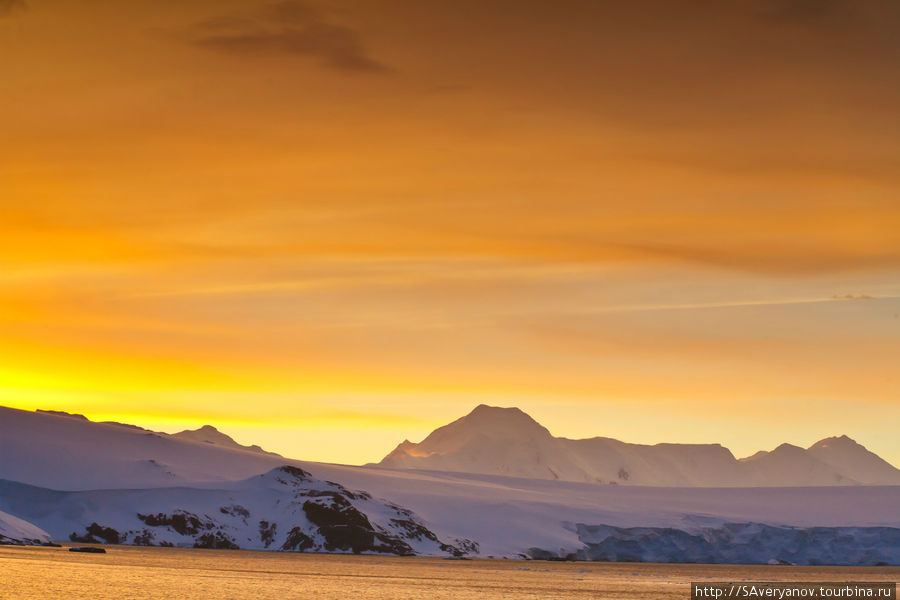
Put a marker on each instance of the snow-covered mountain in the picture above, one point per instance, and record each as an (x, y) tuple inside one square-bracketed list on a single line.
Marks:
[(210, 435), (65, 452), (225, 497), (506, 441), (847, 456), (284, 509), (17, 532), (791, 465), (484, 516), (206, 434)]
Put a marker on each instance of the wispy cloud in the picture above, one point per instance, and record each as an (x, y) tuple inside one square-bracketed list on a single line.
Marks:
[(289, 28), (805, 11), (734, 304), (8, 7)]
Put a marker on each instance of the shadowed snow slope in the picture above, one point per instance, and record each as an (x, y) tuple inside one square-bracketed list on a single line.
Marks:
[(506, 441), (14, 530), (792, 465), (62, 452), (852, 458), (482, 514)]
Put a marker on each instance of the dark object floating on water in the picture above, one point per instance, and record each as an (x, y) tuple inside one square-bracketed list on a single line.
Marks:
[(87, 549)]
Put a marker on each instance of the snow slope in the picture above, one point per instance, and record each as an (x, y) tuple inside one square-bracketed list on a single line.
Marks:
[(14, 530), (284, 509), (499, 516), (505, 514), (218, 498), (506, 441), (791, 465), (63, 452), (847, 456)]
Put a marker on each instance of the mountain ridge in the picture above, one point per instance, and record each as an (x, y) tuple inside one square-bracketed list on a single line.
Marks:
[(60, 452), (207, 434), (507, 441), (140, 487), (488, 440)]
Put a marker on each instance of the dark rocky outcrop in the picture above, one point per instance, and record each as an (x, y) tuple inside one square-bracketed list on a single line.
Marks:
[(181, 522), (346, 528), (97, 534), (297, 541), (215, 540), (296, 473), (235, 510), (267, 532)]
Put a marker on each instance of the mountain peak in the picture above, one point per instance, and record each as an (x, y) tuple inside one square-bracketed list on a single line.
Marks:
[(484, 411), (507, 441), (785, 447), (842, 441), (495, 422), (210, 435), (850, 456), (486, 429), (488, 408)]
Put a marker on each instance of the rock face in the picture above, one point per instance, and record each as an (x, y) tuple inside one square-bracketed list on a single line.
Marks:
[(285, 509), (506, 441)]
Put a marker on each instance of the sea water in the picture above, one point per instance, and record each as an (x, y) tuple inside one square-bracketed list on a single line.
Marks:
[(124, 572)]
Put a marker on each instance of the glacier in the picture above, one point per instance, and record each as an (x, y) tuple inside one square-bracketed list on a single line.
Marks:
[(740, 543)]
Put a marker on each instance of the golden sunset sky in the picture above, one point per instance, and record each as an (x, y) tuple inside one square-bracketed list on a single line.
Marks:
[(327, 226)]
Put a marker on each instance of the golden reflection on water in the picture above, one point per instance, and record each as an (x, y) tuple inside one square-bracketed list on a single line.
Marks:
[(174, 574)]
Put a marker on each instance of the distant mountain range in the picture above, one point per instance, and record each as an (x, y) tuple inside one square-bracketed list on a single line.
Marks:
[(506, 441), (68, 452), (68, 479), (205, 435)]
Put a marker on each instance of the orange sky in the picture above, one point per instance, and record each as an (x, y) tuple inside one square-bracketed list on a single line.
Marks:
[(328, 226)]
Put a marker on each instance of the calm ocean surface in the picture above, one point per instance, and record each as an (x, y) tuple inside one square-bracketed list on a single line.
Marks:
[(174, 574)]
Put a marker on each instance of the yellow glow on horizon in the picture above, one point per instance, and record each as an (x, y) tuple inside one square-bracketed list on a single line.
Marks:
[(556, 215)]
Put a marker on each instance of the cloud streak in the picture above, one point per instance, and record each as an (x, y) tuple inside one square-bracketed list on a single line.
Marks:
[(8, 7), (811, 12), (289, 28)]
